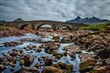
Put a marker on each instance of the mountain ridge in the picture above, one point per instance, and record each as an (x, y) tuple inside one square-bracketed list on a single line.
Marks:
[(92, 20)]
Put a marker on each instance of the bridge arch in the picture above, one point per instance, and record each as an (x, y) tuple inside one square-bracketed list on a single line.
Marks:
[(46, 26), (64, 27), (26, 26), (37, 24)]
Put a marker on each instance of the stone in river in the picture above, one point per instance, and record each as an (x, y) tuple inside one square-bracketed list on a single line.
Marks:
[(87, 66), (28, 60), (51, 69), (67, 68)]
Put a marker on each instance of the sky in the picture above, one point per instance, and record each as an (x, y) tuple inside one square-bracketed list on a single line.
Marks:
[(57, 10)]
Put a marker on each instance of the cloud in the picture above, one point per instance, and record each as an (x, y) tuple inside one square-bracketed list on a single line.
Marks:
[(98, 8), (59, 10)]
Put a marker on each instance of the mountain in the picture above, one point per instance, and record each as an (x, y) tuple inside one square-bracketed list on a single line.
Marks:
[(92, 20), (18, 19), (2, 21)]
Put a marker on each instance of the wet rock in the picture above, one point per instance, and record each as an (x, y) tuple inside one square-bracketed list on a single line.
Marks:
[(28, 59), (23, 71), (72, 55), (22, 62), (35, 70), (107, 69), (66, 68), (65, 53), (15, 53), (56, 38), (2, 67), (97, 71), (67, 39), (87, 66), (101, 69), (94, 41), (51, 69), (38, 50), (107, 61), (42, 46), (48, 61), (9, 59), (51, 47), (58, 55), (104, 53), (1, 60), (72, 49), (11, 43), (87, 56), (21, 53), (27, 39), (30, 47)]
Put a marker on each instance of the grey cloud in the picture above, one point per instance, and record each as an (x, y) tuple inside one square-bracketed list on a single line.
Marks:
[(60, 10), (98, 8)]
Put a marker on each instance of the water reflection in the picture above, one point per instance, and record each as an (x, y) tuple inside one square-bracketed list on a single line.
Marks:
[(76, 63), (17, 66), (8, 69)]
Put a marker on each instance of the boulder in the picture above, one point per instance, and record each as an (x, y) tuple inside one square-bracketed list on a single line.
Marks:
[(87, 66), (51, 47), (38, 50), (51, 69), (58, 55), (48, 61), (104, 53), (28, 59), (23, 71), (66, 68), (72, 49), (11, 43)]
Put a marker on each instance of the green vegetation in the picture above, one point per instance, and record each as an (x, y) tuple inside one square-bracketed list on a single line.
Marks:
[(95, 27)]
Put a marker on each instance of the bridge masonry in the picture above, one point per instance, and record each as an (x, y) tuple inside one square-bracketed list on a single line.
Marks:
[(56, 25)]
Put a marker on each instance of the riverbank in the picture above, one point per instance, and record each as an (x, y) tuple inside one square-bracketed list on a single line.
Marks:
[(87, 51)]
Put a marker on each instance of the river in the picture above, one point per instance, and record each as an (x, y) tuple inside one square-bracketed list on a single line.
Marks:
[(64, 59)]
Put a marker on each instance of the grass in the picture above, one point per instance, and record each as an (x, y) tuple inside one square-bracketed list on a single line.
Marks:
[(2, 27), (95, 27)]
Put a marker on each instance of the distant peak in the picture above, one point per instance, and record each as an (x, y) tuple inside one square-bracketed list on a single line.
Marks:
[(2, 21), (94, 17), (86, 18), (78, 17), (18, 19), (91, 20)]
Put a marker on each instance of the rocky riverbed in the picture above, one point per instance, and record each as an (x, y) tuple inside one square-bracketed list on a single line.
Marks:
[(35, 51)]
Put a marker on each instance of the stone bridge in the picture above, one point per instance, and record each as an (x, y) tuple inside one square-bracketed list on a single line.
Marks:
[(35, 25)]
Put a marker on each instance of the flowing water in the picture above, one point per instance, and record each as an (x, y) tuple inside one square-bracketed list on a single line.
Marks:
[(64, 59)]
